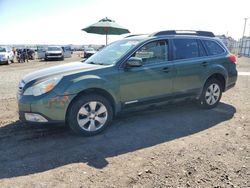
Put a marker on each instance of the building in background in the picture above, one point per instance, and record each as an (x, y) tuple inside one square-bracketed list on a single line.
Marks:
[(237, 47), (228, 41)]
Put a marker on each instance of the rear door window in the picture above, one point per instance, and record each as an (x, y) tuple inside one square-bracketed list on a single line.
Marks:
[(187, 48), (213, 47)]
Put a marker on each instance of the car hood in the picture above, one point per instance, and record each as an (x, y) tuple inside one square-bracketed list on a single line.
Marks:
[(63, 70), (90, 51), (3, 53)]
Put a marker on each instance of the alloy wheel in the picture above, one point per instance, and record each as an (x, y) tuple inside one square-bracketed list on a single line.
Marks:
[(212, 94), (92, 116)]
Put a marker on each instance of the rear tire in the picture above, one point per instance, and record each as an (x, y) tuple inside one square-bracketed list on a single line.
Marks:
[(89, 115), (211, 94)]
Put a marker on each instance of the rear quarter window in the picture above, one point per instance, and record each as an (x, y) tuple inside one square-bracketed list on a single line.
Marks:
[(213, 47)]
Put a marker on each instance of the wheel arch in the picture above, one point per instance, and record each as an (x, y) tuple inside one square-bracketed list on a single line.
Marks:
[(96, 91), (220, 77)]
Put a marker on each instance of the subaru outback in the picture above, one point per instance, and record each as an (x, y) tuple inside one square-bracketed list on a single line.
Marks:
[(134, 71)]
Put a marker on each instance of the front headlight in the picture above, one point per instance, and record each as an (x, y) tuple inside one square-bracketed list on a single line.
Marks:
[(43, 87), (4, 56)]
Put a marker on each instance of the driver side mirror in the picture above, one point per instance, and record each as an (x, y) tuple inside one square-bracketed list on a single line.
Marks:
[(134, 62)]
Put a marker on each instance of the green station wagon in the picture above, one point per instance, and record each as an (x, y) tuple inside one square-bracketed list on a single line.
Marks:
[(134, 71)]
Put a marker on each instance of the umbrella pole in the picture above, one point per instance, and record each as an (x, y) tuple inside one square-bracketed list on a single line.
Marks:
[(106, 39)]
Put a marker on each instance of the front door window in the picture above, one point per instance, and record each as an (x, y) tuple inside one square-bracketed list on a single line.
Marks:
[(153, 52)]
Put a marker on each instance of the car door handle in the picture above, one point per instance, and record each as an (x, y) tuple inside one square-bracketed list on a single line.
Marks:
[(165, 69), (204, 64)]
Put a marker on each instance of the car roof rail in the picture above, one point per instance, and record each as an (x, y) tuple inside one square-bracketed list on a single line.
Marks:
[(134, 35), (184, 32)]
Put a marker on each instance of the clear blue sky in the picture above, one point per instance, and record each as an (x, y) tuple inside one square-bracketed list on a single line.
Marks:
[(13, 11), (61, 21)]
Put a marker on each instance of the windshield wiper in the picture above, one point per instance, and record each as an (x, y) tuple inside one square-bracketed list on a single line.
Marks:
[(95, 63)]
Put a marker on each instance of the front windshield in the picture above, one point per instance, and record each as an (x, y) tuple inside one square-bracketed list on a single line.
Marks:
[(2, 49), (54, 49), (112, 53), (90, 49)]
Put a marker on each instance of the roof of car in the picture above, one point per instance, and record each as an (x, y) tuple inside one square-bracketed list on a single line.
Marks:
[(147, 37), (174, 34), (184, 32), (144, 38)]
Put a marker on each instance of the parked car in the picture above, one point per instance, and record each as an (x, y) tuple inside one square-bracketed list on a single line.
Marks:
[(67, 51), (31, 53), (88, 52), (54, 52), (6, 55), (164, 66)]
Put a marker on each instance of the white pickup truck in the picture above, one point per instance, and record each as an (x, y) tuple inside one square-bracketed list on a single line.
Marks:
[(6, 55)]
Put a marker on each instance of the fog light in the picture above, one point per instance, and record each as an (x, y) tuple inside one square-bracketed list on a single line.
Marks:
[(34, 117)]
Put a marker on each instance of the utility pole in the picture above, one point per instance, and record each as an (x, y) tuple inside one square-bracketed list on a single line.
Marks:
[(245, 23), (249, 30)]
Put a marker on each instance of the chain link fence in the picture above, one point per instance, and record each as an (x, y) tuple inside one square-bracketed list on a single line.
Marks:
[(242, 48)]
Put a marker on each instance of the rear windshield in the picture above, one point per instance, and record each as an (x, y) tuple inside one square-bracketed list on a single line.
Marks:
[(213, 47)]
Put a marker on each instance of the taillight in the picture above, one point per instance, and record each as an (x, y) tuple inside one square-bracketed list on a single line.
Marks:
[(232, 58)]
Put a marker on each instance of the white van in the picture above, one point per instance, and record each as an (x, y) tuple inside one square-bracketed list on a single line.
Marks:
[(67, 51), (41, 52)]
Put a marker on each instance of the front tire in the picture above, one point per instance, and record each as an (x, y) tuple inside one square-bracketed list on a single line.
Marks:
[(8, 61), (211, 94), (90, 115)]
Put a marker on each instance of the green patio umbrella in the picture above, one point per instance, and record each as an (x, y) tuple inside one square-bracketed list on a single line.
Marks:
[(106, 27)]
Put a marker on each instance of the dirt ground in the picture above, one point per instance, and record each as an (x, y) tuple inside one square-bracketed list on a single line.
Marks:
[(177, 145)]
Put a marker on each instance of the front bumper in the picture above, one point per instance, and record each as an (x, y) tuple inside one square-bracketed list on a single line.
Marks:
[(54, 57), (3, 61), (51, 107)]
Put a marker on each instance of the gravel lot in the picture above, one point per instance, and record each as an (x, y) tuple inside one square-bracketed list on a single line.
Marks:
[(177, 145)]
